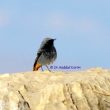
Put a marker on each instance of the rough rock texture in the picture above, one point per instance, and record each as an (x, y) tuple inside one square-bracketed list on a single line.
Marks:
[(85, 90)]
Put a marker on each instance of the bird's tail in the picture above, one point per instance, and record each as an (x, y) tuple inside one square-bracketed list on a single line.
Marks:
[(36, 67)]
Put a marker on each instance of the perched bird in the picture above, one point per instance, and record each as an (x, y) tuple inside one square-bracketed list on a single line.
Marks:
[(46, 54)]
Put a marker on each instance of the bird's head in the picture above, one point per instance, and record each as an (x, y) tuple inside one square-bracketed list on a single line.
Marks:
[(48, 41)]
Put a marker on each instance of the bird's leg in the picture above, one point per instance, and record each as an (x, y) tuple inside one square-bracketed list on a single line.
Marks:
[(48, 68), (42, 68)]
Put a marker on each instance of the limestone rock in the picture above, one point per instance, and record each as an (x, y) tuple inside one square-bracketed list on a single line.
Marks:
[(82, 90)]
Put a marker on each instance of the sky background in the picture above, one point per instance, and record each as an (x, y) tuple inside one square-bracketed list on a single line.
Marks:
[(81, 27)]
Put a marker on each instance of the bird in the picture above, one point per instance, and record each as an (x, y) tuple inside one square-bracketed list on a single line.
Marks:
[(46, 54)]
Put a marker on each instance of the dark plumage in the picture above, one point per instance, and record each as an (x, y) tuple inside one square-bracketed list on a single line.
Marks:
[(46, 54)]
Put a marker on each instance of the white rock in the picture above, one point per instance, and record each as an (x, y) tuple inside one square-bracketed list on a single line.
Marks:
[(86, 90)]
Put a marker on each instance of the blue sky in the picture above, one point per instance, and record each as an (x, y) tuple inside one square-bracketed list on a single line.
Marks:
[(82, 30)]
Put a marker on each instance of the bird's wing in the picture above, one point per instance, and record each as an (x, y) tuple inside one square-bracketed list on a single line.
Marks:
[(36, 60)]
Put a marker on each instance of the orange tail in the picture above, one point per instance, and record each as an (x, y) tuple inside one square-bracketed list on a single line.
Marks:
[(36, 67)]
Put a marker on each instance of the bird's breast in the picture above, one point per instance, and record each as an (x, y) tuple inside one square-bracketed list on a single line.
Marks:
[(47, 57)]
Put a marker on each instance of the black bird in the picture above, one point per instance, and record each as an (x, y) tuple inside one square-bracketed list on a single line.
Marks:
[(46, 54)]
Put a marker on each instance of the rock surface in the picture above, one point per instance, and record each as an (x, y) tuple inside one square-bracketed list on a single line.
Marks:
[(83, 90)]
